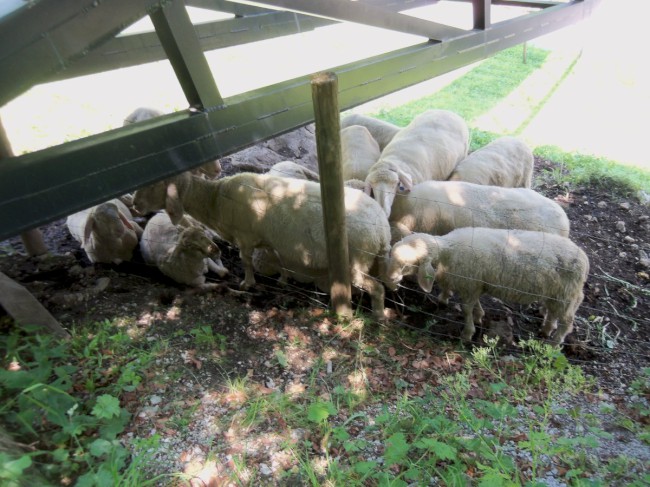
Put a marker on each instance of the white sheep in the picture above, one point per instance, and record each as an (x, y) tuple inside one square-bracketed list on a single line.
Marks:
[(383, 132), (211, 170), (359, 152), (506, 161), (427, 149), (513, 265), (290, 169), (184, 254), (107, 232), (438, 207), (281, 214)]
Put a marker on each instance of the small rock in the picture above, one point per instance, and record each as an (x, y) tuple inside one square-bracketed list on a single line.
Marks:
[(644, 198), (601, 204), (155, 400), (620, 226), (622, 255), (625, 205), (270, 384), (101, 284), (265, 469), (628, 239)]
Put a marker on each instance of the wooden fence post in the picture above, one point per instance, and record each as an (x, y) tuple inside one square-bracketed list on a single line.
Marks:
[(324, 89)]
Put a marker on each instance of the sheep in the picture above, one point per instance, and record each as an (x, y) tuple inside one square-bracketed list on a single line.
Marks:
[(438, 207), (211, 170), (107, 232), (281, 214), (359, 152), (506, 162), (427, 149), (290, 169), (513, 265), (184, 254), (382, 132)]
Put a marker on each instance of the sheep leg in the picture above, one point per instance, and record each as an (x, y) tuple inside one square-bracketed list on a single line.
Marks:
[(471, 308), (246, 255), (478, 313), (372, 287), (217, 267), (444, 296)]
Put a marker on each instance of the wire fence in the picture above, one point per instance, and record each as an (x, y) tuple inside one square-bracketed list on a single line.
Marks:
[(591, 321)]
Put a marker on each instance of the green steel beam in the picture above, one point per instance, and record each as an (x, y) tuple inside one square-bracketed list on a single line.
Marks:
[(135, 49), (42, 186), (366, 14), (51, 35), (176, 33)]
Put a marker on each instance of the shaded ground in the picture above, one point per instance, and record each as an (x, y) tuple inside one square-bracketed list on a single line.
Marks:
[(281, 339)]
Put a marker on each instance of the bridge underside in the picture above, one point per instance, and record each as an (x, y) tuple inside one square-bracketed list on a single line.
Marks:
[(50, 40)]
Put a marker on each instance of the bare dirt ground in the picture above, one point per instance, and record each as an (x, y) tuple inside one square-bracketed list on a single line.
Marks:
[(610, 339)]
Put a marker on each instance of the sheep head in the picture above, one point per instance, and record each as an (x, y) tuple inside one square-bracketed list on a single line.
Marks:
[(384, 182), (115, 232), (165, 195), (412, 255), (193, 240)]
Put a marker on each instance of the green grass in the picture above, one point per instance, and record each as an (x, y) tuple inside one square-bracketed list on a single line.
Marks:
[(482, 88), (479, 90)]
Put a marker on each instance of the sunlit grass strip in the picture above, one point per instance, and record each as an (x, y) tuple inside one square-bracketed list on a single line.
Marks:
[(477, 92), (589, 169)]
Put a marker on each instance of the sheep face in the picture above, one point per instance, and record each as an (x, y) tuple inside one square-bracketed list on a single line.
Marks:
[(410, 256), (195, 241), (108, 224), (162, 195), (383, 183)]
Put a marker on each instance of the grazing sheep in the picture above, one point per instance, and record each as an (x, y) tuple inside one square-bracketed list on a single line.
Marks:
[(427, 149), (513, 265), (290, 169), (184, 254), (107, 232), (506, 162), (438, 207), (382, 132), (359, 152), (211, 170), (282, 214)]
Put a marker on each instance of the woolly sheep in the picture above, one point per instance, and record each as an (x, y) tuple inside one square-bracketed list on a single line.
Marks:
[(107, 232), (290, 169), (183, 254), (438, 207), (427, 149), (506, 161), (513, 265), (210, 170), (282, 214), (359, 152), (382, 132)]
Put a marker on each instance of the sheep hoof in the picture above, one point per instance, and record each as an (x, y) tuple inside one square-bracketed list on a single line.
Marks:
[(245, 285), (466, 336)]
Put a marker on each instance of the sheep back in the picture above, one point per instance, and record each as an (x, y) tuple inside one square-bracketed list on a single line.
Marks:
[(506, 162), (290, 169), (438, 207), (359, 152), (383, 132)]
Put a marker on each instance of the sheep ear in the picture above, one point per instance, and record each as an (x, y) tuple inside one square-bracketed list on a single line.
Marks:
[(88, 229), (405, 181), (426, 276), (127, 223), (173, 204)]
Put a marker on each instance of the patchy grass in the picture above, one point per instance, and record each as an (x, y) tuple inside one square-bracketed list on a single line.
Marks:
[(396, 409)]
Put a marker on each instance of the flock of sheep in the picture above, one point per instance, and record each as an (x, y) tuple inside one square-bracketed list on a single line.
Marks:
[(415, 203)]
